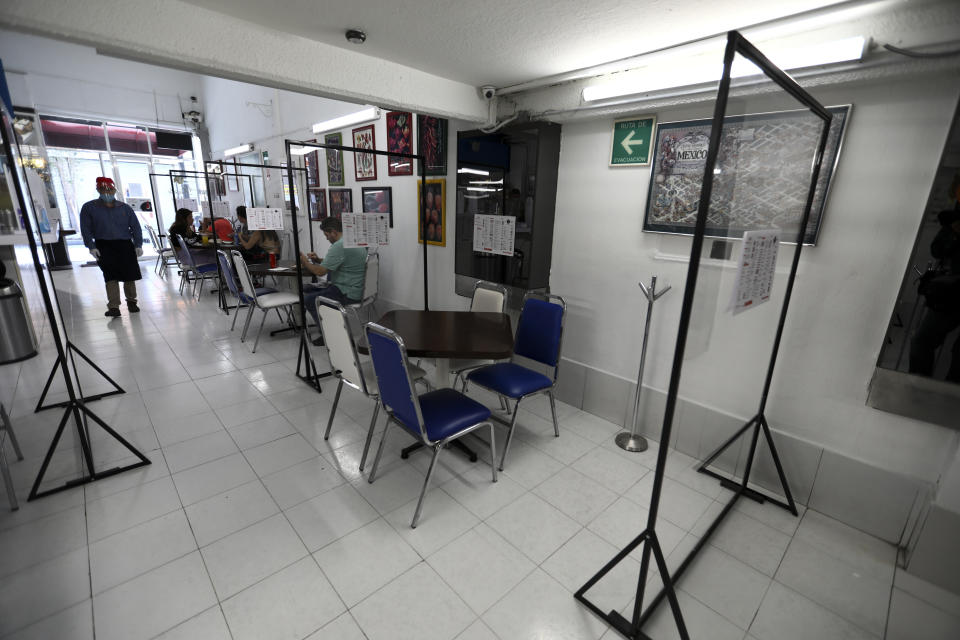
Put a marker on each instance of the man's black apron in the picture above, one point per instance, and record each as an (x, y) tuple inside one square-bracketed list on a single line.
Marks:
[(118, 260)]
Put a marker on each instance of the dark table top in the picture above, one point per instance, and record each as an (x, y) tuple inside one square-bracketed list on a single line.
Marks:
[(452, 334), (285, 268)]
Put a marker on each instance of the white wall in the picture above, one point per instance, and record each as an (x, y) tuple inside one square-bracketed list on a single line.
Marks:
[(63, 78), (844, 293)]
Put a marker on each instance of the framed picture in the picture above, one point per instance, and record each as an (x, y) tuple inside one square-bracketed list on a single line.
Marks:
[(341, 200), (378, 200), (335, 177), (364, 164), (399, 140), (311, 161), (318, 203), (435, 216), (432, 145), (767, 178)]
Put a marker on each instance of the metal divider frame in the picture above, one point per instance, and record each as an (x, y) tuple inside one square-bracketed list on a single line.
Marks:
[(736, 44), (303, 355)]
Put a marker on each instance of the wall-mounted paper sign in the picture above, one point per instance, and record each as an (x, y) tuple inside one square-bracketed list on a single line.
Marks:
[(494, 234), (263, 218), (221, 209), (366, 229), (187, 203), (758, 261)]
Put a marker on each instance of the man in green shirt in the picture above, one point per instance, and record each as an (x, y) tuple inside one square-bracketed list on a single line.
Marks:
[(345, 270)]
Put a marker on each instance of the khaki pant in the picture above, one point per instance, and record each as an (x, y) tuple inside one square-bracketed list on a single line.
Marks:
[(113, 293)]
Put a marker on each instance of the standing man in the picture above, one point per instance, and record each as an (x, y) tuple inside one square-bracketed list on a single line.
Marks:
[(112, 233), (345, 270)]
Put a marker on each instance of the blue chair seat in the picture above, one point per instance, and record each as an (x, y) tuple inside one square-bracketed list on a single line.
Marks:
[(509, 379), (261, 291), (206, 268), (446, 412)]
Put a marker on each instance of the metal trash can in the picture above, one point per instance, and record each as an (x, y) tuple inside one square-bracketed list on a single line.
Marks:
[(16, 338)]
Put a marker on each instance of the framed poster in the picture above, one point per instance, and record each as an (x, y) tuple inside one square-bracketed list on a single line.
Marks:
[(432, 145), (399, 140), (340, 200), (335, 177), (311, 161), (317, 199), (435, 215), (378, 200), (760, 181), (364, 164)]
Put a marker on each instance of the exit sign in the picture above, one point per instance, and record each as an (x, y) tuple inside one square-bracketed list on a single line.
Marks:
[(632, 138)]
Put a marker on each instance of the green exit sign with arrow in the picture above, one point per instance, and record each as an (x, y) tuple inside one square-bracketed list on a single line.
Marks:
[(632, 138)]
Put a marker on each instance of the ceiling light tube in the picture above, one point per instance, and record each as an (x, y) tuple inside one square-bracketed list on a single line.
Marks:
[(479, 172), (243, 148), (370, 114), (681, 73), (300, 151)]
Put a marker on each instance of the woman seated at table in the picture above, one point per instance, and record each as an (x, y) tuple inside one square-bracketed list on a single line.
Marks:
[(258, 245), (185, 238)]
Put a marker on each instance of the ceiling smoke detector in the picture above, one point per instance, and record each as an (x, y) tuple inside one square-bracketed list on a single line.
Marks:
[(356, 36)]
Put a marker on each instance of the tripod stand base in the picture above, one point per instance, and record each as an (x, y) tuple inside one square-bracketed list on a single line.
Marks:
[(629, 442)]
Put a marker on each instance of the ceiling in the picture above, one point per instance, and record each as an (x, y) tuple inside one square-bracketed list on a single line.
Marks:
[(505, 42)]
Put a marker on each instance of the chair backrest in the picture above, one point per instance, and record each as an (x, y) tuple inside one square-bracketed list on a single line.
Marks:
[(228, 273), (488, 297), (371, 277), (286, 246), (340, 344), (186, 257), (153, 238), (540, 329), (397, 394), (243, 274)]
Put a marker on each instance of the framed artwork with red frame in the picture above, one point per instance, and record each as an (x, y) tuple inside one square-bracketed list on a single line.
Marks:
[(432, 145), (364, 164), (435, 216), (399, 140)]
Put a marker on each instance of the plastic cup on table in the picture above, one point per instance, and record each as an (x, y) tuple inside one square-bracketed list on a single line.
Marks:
[(273, 261)]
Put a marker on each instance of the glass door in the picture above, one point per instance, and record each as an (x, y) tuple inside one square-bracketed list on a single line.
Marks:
[(133, 185)]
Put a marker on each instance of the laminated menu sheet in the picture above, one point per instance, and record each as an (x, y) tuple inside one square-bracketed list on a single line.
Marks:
[(494, 234), (366, 229), (221, 209), (755, 270), (264, 218), (187, 203)]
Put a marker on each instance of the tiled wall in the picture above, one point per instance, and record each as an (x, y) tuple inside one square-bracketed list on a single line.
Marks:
[(866, 497)]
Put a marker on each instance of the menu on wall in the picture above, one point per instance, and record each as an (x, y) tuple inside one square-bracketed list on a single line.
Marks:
[(366, 229), (755, 270), (264, 218), (221, 209), (187, 203), (494, 234)]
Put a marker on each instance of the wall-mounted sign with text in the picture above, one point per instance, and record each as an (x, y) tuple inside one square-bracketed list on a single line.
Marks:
[(494, 234), (631, 141), (366, 229), (264, 218)]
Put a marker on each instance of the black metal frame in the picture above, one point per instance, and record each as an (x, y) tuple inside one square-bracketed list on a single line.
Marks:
[(303, 355), (736, 44), (75, 406)]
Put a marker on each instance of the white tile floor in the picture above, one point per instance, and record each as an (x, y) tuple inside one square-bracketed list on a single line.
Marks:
[(249, 525)]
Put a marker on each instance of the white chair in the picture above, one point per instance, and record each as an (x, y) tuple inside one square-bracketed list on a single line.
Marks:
[(488, 297), (350, 370), (266, 303), (371, 284), (165, 255)]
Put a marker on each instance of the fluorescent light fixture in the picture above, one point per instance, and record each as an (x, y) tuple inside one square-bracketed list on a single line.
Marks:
[(360, 117), (299, 151), (243, 148), (500, 181), (482, 189), (479, 172), (686, 71)]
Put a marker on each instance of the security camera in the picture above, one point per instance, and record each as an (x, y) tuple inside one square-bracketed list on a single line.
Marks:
[(488, 92)]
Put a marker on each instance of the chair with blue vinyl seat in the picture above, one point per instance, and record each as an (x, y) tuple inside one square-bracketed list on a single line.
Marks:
[(539, 336), (435, 418), (230, 277), (198, 272), (349, 369)]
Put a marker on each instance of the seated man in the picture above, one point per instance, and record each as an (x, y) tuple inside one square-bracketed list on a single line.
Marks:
[(344, 268)]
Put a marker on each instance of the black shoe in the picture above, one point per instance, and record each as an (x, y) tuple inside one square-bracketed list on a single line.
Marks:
[(132, 307), (112, 313), (318, 341)]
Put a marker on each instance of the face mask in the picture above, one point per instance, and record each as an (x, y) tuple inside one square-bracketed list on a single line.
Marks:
[(108, 197)]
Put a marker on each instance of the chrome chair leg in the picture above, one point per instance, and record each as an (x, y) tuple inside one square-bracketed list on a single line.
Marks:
[(236, 314), (7, 480), (8, 427), (503, 403), (553, 411), (333, 410), (493, 452), (246, 325), (376, 460), (513, 425), (426, 483), (373, 425), (259, 331)]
